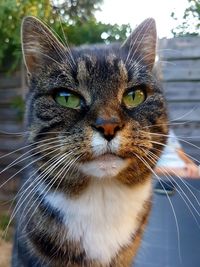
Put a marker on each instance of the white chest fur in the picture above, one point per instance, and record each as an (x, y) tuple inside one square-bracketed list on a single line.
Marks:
[(104, 217)]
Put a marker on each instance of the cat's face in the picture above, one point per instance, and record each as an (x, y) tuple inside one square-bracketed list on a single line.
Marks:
[(92, 111)]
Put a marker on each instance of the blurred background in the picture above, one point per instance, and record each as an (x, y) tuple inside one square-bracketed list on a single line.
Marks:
[(98, 21)]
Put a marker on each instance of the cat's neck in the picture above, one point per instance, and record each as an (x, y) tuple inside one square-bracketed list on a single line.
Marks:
[(105, 217)]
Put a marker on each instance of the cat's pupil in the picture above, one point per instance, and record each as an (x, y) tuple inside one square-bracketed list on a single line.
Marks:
[(69, 100), (133, 98)]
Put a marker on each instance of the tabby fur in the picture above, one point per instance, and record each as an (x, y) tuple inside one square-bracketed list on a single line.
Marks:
[(86, 195)]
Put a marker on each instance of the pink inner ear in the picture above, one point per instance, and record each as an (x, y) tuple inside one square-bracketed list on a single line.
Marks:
[(31, 62)]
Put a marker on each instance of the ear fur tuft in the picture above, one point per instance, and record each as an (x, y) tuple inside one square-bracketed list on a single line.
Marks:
[(39, 45), (142, 42)]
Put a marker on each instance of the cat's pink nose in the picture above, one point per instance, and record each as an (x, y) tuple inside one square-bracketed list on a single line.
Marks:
[(108, 128)]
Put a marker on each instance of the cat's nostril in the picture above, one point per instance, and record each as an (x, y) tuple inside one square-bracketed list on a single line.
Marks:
[(108, 129), (100, 129)]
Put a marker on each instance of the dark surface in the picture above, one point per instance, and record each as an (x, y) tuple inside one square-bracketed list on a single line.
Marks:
[(170, 241)]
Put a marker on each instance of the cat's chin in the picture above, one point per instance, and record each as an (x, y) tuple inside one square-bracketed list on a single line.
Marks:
[(104, 166)]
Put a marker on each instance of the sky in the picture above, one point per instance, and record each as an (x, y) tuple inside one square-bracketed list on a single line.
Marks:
[(135, 11)]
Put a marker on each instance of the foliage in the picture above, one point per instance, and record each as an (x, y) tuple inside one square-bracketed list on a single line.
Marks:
[(4, 220), (93, 32), (191, 20), (71, 18), (11, 15), (74, 10), (5, 232), (19, 105)]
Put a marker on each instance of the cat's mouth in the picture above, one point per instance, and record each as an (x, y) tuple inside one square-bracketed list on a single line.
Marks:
[(107, 157), (105, 165)]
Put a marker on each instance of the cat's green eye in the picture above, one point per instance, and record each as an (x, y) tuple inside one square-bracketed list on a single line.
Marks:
[(132, 99), (68, 100)]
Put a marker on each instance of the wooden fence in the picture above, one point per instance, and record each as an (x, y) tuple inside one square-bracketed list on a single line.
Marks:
[(10, 124), (180, 64)]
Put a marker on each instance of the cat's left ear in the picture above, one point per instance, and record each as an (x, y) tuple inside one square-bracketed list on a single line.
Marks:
[(40, 47), (141, 44)]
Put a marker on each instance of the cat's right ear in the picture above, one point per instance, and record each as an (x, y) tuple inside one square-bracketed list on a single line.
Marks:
[(40, 47), (141, 44)]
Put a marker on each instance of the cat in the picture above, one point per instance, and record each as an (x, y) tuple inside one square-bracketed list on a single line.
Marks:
[(91, 115)]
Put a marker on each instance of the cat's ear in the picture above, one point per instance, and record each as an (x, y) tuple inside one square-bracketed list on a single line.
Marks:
[(40, 47), (141, 44)]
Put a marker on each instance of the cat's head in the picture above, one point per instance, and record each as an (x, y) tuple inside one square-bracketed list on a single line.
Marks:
[(94, 112)]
